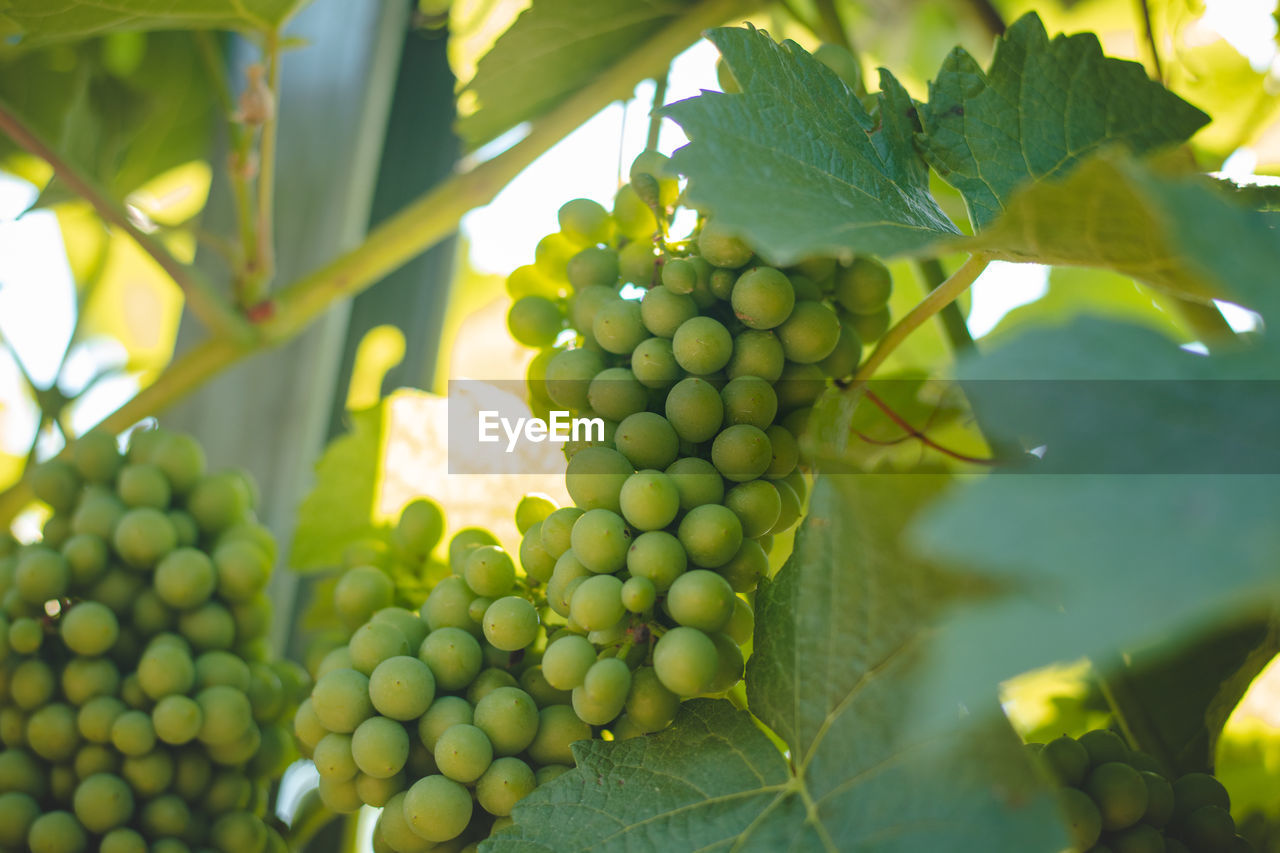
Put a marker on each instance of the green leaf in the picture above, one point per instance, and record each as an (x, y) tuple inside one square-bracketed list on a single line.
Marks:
[(1181, 235), (553, 49), (1041, 108), (838, 635), (50, 20), (797, 166), (1101, 564), (340, 508)]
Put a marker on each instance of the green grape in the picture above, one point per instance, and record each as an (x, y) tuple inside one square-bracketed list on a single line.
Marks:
[(618, 326), (177, 719), (729, 663), (869, 327), (658, 557), (614, 393), (98, 513), (506, 782), (568, 376), (509, 717), (639, 594), (701, 599), (843, 360), (558, 728), (511, 623), (84, 679), (756, 353), (89, 628), (663, 310), (790, 507), (552, 253), (96, 456), (863, 287), (702, 345), (633, 216), (697, 481), (695, 410), (394, 830), (1142, 839), (13, 728), (1160, 800), (490, 571), (680, 276), (149, 614), (596, 711), (757, 505), (1104, 747), (653, 363), (589, 299), (454, 657), (374, 642), (532, 509), (192, 774), (557, 529), (446, 711), (639, 263), (340, 797), (117, 589), (607, 682), (17, 812), (133, 733), (545, 774), (1207, 828), (749, 400), (762, 298), (463, 752), (132, 694), (437, 808), (31, 684), (226, 714), (721, 248), (566, 661), (534, 682), (597, 603), (122, 840), (447, 605), (22, 773), (594, 478), (584, 221), (376, 792), (57, 483), (1084, 823), (657, 166), (143, 485), (568, 572), (96, 717), (798, 388), (784, 453), (1066, 759), (25, 635), (711, 534), (340, 700), (741, 623), (845, 65), (721, 284), (219, 500), (528, 280), (600, 539), (166, 815), (41, 574), (51, 732), (419, 528), (94, 758), (380, 747), (86, 557), (219, 667), (647, 440), (685, 661), (179, 456), (463, 543), (56, 531), (1119, 792), (165, 669), (103, 802), (536, 562), (185, 578), (650, 706), (402, 687), (185, 525), (242, 568), (593, 267), (535, 321), (1196, 790), (143, 536), (810, 334), (56, 832), (239, 830), (805, 288), (209, 626)]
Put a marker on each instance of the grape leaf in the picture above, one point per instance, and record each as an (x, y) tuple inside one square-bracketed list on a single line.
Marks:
[(1042, 107), (49, 20), (838, 632), (797, 166), (551, 50), (1178, 234), (1098, 563)]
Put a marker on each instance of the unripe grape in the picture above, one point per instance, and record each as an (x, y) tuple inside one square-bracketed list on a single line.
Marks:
[(615, 393), (535, 321), (593, 267), (864, 287), (720, 247), (1119, 792), (618, 326), (749, 400), (701, 599), (57, 483), (490, 571), (869, 327), (566, 661), (702, 345), (557, 530), (695, 410), (454, 656), (506, 782), (509, 717), (663, 311), (380, 747), (741, 452), (633, 216), (810, 333), (532, 509), (685, 661), (584, 221), (647, 440), (657, 556), (657, 165), (697, 481), (594, 477), (843, 360), (463, 752), (463, 543), (597, 603), (558, 728), (653, 363), (568, 376), (511, 623), (437, 809), (763, 298), (1084, 823)]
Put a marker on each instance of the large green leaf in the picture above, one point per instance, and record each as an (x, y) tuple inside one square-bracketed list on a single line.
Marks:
[(1182, 235), (47, 20), (1042, 107), (838, 635), (1100, 563), (797, 166), (552, 49)]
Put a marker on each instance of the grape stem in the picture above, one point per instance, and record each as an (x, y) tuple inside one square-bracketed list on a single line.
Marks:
[(942, 296)]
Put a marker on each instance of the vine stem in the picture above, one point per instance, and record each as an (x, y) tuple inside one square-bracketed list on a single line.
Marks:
[(953, 322), (416, 228), (1129, 713), (264, 261), (939, 298), (214, 312), (655, 120)]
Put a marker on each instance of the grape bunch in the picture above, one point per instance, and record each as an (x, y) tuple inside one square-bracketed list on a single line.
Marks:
[(1118, 800), (703, 361), (138, 707), (443, 718)]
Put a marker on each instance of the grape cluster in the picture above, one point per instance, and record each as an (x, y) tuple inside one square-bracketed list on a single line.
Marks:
[(443, 718), (1118, 800), (703, 361), (138, 708)]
